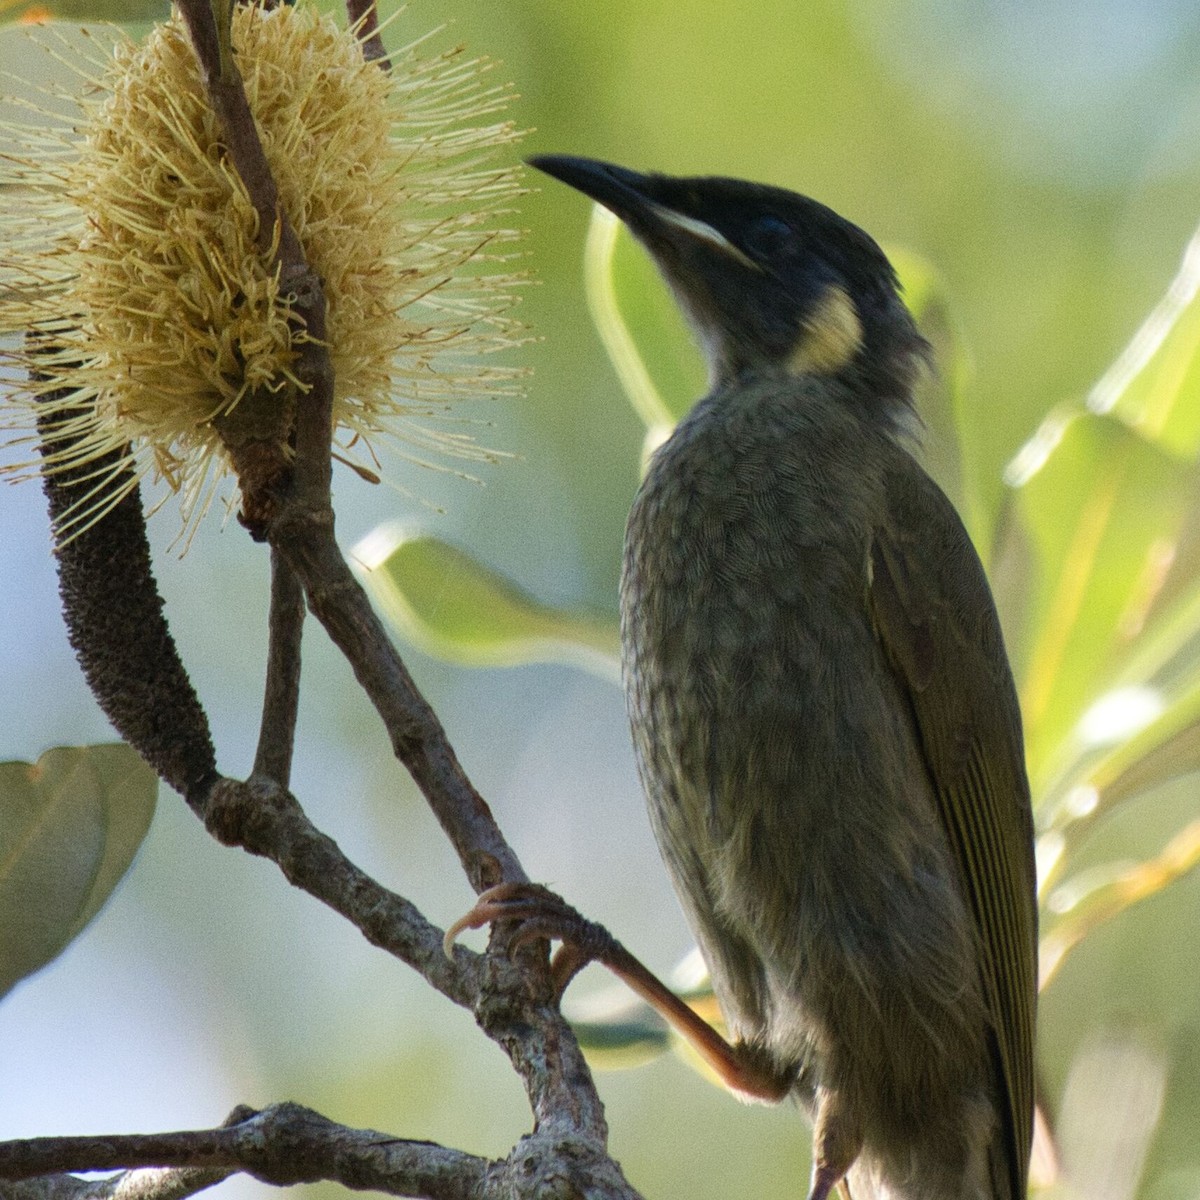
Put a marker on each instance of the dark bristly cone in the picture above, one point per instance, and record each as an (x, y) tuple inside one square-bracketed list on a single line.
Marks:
[(117, 627)]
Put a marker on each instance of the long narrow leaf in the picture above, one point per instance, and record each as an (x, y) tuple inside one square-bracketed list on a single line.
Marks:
[(1155, 384), (450, 605), (1100, 504)]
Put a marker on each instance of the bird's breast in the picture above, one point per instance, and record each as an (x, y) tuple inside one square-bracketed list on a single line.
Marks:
[(746, 631), (782, 774)]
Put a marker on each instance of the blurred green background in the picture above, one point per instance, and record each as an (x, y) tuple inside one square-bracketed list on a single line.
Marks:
[(1045, 157)]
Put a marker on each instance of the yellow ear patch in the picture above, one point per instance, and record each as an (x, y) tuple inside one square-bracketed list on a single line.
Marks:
[(830, 336)]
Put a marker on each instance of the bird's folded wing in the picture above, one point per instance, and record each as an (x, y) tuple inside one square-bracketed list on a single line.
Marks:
[(934, 615)]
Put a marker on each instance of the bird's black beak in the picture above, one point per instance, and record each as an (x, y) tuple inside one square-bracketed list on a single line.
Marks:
[(625, 193), (650, 205)]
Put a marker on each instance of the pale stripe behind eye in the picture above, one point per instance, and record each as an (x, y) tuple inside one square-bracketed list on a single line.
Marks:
[(706, 233)]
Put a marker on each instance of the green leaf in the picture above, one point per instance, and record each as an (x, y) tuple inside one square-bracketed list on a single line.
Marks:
[(620, 1044), (1099, 503), (1111, 663), (451, 606), (1154, 386), (1165, 750), (942, 396), (647, 339), (1097, 896), (1156, 738), (1145, 729), (69, 828), (617, 1029), (1103, 499)]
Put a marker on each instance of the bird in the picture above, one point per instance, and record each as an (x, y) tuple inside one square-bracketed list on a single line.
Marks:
[(823, 713)]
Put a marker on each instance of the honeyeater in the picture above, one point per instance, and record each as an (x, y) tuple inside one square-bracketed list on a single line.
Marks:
[(823, 713)]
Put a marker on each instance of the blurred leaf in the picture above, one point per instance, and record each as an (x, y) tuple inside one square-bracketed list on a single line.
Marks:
[(1114, 648), (942, 392), (1110, 1110), (1111, 657), (1087, 902), (1101, 505), (1154, 386), (1044, 1165), (118, 12), (1165, 747), (652, 350), (69, 828), (1174, 614), (1166, 750), (617, 1045), (618, 1030), (448, 604)]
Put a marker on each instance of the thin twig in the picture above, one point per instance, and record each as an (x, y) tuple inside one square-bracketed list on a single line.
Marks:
[(338, 601), (146, 1183), (364, 20), (281, 699), (280, 246), (514, 1009), (226, 93)]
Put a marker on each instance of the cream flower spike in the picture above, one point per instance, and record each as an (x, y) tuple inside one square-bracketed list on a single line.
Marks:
[(136, 309)]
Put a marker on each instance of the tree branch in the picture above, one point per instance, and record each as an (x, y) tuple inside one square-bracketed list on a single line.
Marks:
[(284, 1144), (266, 819), (287, 1144), (286, 500), (149, 1183), (306, 540), (277, 731), (299, 519), (515, 1003)]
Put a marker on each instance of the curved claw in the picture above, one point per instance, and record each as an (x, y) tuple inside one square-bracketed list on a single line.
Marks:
[(487, 909), (541, 913), (469, 920)]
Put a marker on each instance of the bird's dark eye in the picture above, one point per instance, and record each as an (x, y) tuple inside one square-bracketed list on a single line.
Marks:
[(770, 237)]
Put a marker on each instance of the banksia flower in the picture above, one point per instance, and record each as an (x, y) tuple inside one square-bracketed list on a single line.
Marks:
[(138, 309)]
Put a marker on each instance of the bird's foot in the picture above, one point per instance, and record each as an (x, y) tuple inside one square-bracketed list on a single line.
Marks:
[(837, 1141), (540, 913), (825, 1179)]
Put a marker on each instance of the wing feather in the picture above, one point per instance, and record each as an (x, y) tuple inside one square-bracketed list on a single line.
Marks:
[(935, 617)]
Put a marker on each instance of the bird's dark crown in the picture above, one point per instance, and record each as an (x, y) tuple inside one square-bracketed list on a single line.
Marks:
[(773, 281)]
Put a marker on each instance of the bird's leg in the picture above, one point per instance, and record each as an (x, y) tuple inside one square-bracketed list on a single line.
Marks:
[(741, 1067), (837, 1140)]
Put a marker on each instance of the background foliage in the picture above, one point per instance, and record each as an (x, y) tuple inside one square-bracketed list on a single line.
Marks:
[(1043, 157)]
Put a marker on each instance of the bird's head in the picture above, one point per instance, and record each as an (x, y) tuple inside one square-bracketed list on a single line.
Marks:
[(772, 281)]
